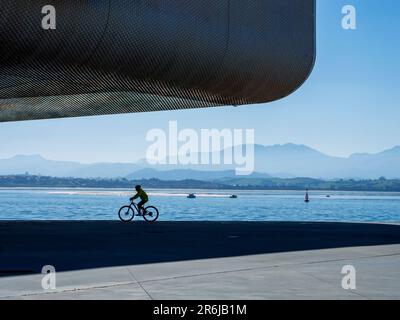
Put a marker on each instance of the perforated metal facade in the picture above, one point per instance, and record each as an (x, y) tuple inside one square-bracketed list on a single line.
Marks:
[(122, 56)]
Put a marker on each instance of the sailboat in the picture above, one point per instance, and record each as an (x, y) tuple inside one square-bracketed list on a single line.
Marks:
[(307, 198)]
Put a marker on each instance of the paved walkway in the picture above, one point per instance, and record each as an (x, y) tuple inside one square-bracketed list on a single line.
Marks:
[(313, 273), (295, 275)]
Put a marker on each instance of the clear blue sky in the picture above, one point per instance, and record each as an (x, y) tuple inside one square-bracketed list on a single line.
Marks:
[(349, 104)]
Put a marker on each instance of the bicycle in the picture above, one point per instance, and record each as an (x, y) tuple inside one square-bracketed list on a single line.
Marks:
[(127, 213)]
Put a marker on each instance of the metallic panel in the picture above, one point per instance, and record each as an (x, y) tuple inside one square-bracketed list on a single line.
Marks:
[(119, 56)]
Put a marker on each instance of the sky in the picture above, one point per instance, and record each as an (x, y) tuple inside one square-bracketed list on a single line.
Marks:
[(349, 104)]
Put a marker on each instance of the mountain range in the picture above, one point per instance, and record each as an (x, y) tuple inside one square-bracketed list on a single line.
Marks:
[(283, 161)]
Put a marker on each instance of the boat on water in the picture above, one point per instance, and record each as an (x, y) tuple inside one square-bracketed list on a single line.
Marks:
[(191, 196), (307, 197), (233, 196)]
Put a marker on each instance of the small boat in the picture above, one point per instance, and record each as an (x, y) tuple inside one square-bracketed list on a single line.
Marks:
[(191, 196), (307, 198), (233, 196), (328, 195)]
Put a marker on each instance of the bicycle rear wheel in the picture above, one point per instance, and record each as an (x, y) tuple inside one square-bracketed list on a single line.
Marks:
[(151, 214), (126, 213)]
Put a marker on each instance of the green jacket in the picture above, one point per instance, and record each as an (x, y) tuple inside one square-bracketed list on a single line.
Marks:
[(142, 195)]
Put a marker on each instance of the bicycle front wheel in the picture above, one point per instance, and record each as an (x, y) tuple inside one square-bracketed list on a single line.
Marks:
[(151, 214), (126, 213)]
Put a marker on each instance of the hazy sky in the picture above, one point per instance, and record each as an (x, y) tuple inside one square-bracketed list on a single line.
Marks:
[(349, 104)]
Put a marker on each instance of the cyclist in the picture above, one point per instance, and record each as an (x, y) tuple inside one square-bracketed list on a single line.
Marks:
[(140, 193)]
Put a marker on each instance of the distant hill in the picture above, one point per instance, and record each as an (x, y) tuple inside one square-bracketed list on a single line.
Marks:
[(302, 161), (292, 160), (12, 181), (182, 174), (280, 161), (37, 165)]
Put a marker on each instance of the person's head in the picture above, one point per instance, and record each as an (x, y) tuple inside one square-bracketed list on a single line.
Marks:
[(138, 187)]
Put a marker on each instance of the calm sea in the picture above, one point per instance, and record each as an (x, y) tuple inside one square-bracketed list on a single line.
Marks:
[(211, 205)]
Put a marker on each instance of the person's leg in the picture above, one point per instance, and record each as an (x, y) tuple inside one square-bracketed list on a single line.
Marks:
[(144, 202), (140, 206)]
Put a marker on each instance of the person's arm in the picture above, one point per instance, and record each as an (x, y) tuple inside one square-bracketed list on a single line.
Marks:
[(135, 197)]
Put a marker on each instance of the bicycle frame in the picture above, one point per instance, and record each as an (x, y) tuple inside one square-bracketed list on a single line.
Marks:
[(135, 206)]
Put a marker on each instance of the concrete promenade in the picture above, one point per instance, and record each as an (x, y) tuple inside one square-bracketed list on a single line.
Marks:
[(199, 260)]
